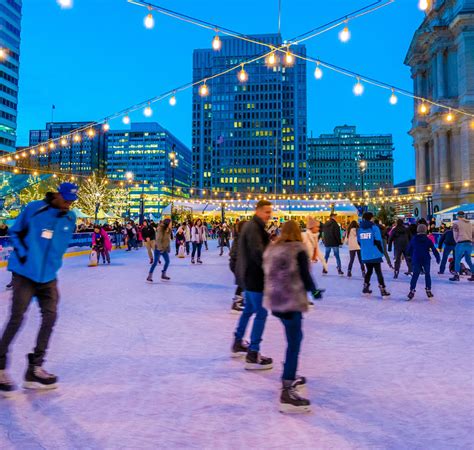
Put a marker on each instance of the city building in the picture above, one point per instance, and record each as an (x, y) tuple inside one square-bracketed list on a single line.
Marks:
[(10, 26), (403, 206), (347, 161), (249, 136), (81, 153), (151, 162), (441, 57)]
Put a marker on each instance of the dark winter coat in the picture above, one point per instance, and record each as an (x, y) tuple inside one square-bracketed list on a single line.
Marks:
[(224, 237), (332, 234), (447, 238), (253, 241), (233, 253), (148, 232), (419, 249), (400, 238), (287, 277)]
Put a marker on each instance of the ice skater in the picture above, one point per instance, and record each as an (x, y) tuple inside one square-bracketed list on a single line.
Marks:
[(311, 240), (464, 236), (332, 241), (419, 251), (354, 248), (162, 248), (238, 300), (101, 244), (40, 237)]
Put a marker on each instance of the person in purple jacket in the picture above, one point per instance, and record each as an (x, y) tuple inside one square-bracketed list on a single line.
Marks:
[(419, 249)]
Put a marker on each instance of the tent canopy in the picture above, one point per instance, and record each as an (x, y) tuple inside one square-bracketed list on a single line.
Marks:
[(466, 207), (79, 213)]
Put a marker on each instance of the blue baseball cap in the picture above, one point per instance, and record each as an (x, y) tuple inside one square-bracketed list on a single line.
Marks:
[(68, 191)]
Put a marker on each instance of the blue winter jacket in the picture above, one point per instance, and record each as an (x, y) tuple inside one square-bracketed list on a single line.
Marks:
[(40, 237), (419, 249), (370, 241)]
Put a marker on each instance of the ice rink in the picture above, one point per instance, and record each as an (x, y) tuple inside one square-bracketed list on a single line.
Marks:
[(147, 366)]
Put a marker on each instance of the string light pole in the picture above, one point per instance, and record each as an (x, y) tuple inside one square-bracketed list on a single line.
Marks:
[(129, 178), (174, 164), (362, 169)]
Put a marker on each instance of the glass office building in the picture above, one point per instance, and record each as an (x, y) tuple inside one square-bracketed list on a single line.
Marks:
[(249, 136), (10, 25)]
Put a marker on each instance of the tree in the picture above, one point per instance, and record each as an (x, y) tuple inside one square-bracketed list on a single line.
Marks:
[(386, 215), (94, 191), (118, 201)]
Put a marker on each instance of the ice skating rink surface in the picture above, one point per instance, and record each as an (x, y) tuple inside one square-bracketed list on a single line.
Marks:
[(147, 366)]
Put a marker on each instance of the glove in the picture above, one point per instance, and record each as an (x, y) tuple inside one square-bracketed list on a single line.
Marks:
[(317, 293)]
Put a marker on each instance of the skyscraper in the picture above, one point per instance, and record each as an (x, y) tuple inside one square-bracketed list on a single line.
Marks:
[(10, 24), (249, 136)]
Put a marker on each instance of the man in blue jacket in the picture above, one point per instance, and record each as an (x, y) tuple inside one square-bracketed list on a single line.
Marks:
[(447, 239), (370, 241), (40, 237)]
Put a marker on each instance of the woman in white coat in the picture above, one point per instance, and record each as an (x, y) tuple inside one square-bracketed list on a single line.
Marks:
[(311, 240), (354, 247)]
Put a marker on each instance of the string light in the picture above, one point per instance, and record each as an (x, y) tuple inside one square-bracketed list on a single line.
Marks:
[(106, 126), (126, 120), (3, 53), (63, 142), (243, 75), (423, 5), (271, 60), (77, 137), (358, 88), (345, 34), (423, 109), (447, 186), (449, 116), (148, 112), (216, 43), (173, 100), (393, 98), (318, 73), (466, 184), (65, 4), (203, 90), (52, 145), (149, 21), (91, 132), (289, 58)]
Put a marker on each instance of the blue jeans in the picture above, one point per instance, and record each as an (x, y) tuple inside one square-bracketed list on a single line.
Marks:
[(253, 305), (446, 251), (196, 247), (132, 243), (416, 273), (156, 258), (463, 249), (294, 336), (336, 254)]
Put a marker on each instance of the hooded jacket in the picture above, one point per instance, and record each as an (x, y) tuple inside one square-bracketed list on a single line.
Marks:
[(40, 237), (332, 234), (370, 241), (447, 238), (399, 238), (419, 249)]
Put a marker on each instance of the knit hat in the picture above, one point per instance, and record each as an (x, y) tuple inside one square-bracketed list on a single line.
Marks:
[(312, 222), (422, 229), (460, 214)]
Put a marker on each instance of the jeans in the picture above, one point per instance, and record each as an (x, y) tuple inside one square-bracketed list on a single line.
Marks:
[(353, 254), (156, 258), (294, 335), (253, 305), (446, 251), (336, 254), (378, 270), (105, 255), (399, 252), (187, 247), (118, 240), (463, 249), (196, 246), (416, 273), (24, 290), (222, 245), (132, 243)]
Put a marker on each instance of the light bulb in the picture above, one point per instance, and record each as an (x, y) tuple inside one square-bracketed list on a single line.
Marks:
[(42, 149), (63, 142), (345, 35), (423, 5), (90, 132), (216, 43), (449, 117), (243, 76), (65, 4), (106, 126), (126, 120), (203, 90), (423, 109), (148, 112), (149, 21), (318, 73), (358, 88), (173, 100), (289, 59), (393, 98), (3, 53), (52, 145), (271, 59), (77, 137)]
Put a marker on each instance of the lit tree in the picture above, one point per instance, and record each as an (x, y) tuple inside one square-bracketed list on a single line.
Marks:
[(118, 201), (93, 190)]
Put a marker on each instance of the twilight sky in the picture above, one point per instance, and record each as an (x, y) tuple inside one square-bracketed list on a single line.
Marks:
[(97, 58)]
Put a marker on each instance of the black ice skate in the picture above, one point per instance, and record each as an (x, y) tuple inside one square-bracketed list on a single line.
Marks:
[(366, 289), (429, 294), (199, 261), (237, 305), (7, 387), (325, 272), (411, 295), (471, 278), (299, 382), (149, 278), (383, 291), (255, 361), (455, 277), (192, 260), (164, 276), (239, 348), (340, 272), (291, 402), (37, 378), (349, 274), (395, 275)]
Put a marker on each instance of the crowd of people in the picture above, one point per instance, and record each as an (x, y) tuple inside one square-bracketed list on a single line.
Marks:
[(273, 265)]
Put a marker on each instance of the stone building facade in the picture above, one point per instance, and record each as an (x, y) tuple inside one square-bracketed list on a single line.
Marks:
[(441, 57)]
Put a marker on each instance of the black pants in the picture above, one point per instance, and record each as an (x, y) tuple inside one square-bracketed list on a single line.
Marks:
[(24, 290), (196, 247), (399, 252), (378, 270), (353, 254)]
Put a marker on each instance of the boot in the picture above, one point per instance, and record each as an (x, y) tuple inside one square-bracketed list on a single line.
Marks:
[(37, 378), (340, 272), (255, 361), (395, 274), (325, 272), (455, 277), (239, 348), (150, 278), (383, 291), (199, 261), (411, 294), (349, 273), (192, 261), (471, 278), (7, 387), (163, 276), (366, 289), (429, 294), (291, 401)]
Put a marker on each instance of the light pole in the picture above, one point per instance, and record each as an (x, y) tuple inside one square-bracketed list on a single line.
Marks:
[(174, 164), (129, 177), (97, 206)]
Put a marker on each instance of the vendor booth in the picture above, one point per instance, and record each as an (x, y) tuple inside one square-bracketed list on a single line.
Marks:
[(449, 215)]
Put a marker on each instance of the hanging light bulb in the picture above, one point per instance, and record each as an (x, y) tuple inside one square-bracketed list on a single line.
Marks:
[(393, 98), (148, 112), (42, 149), (77, 137), (126, 120), (358, 88), (65, 4), (106, 126), (52, 145), (243, 75), (3, 53), (216, 43), (289, 58), (173, 100), (203, 90), (423, 5), (271, 60), (90, 132), (449, 116), (149, 21), (318, 73), (63, 142), (423, 109), (344, 34)]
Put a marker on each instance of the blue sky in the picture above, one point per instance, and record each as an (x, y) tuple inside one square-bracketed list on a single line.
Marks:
[(97, 58)]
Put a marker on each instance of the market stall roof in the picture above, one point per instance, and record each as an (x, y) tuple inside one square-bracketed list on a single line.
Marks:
[(79, 213), (466, 207)]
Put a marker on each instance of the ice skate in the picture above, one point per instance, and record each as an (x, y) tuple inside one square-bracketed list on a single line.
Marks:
[(340, 272), (411, 295), (291, 402), (164, 276), (9, 286), (192, 261), (299, 382), (366, 289), (471, 278), (7, 387), (395, 274), (349, 274), (383, 291), (37, 378), (149, 278), (455, 277), (255, 361), (237, 305), (199, 261), (239, 348), (429, 294), (325, 272)]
